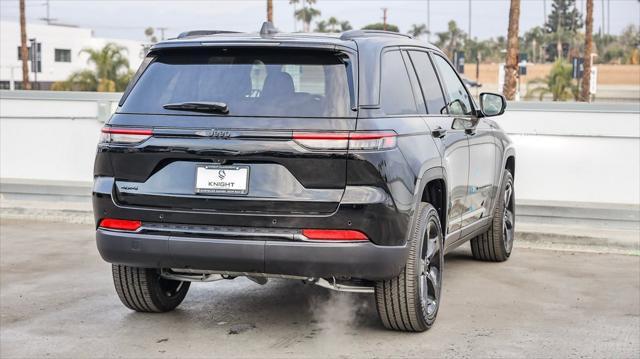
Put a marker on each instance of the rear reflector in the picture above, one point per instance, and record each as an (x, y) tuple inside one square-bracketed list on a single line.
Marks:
[(364, 140), (120, 224), (124, 135), (334, 235)]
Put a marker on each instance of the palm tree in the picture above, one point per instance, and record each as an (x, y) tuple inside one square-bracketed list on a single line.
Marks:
[(24, 52), (295, 10), (418, 30), (332, 22), (451, 39), (511, 67), (559, 83), (345, 26), (588, 48), (270, 11), (321, 26), (307, 14), (111, 71)]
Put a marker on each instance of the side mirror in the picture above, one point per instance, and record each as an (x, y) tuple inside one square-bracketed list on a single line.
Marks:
[(492, 104)]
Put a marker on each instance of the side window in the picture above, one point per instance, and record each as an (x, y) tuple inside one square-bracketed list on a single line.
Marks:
[(429, 82), (459, 102), (396, 96)]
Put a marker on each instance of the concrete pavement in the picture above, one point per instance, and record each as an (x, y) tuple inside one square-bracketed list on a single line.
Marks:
[(57, 300)]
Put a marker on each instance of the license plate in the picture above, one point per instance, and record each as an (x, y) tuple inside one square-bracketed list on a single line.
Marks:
[(222, 179)]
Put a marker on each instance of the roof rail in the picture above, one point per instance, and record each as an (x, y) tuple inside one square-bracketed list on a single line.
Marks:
[(204, 33), (348, 35)]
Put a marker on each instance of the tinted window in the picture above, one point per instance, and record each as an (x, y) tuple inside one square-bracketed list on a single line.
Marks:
[(459, 102), (428, 81), (250, 82), (396, 96)]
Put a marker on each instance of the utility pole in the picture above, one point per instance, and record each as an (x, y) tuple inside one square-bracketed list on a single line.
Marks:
[(24, 51), (544, 10), (384, 18), (48, 18), (429, 20), (469, 35), (603, 23), (608, 17), (161, 29)]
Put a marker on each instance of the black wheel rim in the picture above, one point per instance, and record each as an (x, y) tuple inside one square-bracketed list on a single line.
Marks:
[(508, 217), (169, 287), (430, 270)]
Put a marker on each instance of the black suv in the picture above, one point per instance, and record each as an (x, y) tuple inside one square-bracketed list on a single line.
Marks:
[(353, 162)]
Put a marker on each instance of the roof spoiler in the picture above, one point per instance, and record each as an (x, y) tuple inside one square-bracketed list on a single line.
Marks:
[(348, 35), (204, 33)]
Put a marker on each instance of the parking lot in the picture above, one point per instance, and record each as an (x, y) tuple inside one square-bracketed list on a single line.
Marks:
[(57, 300)]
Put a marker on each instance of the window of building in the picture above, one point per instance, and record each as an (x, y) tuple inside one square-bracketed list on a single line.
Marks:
[(62, 55)]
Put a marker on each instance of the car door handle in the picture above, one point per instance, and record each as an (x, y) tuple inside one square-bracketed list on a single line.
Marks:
[(470, 131), (439, 132)]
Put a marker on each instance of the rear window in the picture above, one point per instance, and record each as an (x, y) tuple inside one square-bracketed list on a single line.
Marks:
[(250, 82)]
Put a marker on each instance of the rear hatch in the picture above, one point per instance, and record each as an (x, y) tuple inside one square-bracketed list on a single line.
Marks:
[(234, 130)]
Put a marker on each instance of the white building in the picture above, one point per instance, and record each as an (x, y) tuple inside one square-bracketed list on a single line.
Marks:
[(60, 52)]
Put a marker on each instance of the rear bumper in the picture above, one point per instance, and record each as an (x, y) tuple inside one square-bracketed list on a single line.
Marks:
[(319, 260)]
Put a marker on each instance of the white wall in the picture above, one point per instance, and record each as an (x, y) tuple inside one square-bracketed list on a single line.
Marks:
[(565, 152), (55, 37), (576, 152)]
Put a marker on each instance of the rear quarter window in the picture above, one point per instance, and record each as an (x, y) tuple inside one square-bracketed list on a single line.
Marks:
[(396, 95)]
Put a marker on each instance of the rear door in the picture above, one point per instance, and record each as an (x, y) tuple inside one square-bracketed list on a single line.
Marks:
[(450, 137), (267, 154)]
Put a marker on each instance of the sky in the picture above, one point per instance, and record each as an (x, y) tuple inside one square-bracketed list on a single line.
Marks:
[(128, 18)]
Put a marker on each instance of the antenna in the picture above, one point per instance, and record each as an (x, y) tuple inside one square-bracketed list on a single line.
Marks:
[(268, 29)]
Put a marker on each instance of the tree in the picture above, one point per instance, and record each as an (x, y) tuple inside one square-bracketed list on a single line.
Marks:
[(563, 22), (588, 49), (270, 11), (332, 22), (295, 10), (380, 26), (559, 83), (331, 25), (452, 39), (110, 71), (511, 66), (321, 26), (345, 26), (533, 41), (24, 51), (418, 30), (307, 14)]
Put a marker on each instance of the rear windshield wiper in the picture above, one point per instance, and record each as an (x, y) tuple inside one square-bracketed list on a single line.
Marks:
[(219, 107)]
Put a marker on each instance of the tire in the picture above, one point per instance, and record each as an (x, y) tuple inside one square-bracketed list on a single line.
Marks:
[(143, 290), (410, 301), (496, 243)]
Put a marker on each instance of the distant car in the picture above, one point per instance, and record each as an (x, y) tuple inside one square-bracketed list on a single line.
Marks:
[(469, 82), (353, 162)]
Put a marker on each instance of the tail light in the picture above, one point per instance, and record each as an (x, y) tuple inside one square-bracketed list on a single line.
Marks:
[(334, 235), (120, 224), (361, 141), (124, 135)]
